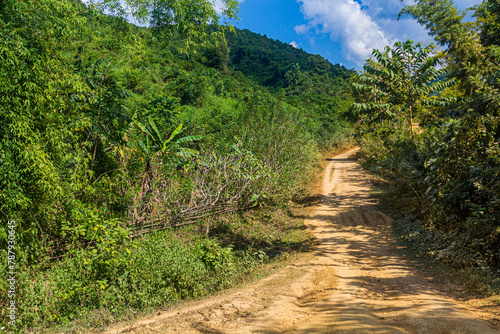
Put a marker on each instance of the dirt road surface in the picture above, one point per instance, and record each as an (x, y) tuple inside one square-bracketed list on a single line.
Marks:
[(356, 281)]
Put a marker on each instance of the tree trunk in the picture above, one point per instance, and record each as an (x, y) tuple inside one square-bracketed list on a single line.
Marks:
[(411, 126)]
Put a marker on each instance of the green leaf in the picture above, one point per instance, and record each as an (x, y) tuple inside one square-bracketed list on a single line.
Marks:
[(176, 131), (189, 139), (186, 152), (155, 128)]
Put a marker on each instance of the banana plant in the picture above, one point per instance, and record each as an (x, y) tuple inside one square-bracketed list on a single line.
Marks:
[(154, 144)]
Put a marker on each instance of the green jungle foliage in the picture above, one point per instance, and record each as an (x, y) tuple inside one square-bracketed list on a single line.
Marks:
[(267, 61), (400, 80), (448, 176), (109, 132)]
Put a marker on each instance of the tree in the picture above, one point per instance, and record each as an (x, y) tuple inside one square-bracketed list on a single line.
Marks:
[(186, 19), (216, 54), (473, 53), (295, 80), (440, 17), (318, 64), (488, 17), (400, 80), (455, 167), (39, 122), (154, 144)]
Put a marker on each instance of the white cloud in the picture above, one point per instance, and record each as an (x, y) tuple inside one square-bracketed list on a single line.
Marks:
[(220, 6), (301, 29), (294, 44), (347, 21), (360, 28)]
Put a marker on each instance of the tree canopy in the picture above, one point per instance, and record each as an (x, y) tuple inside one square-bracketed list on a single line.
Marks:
[(447, 176), (110, 132), (398, 81)]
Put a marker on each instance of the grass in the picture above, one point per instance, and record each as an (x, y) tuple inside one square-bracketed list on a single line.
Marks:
[(219, 253), (254, 244)]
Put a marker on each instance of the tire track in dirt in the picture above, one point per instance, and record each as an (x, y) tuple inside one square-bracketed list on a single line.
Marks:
[(354, 282)]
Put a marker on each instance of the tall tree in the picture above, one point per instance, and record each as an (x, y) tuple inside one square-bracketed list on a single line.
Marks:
[(40, 156), (488, 17), (400, 80), (187, 19), (473, 53), (443, 20)]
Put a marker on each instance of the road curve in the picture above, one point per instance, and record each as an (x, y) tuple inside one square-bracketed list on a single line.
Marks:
[(354, 282)]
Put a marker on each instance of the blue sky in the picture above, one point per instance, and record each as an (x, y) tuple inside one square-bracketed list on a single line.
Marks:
[(342, 31)]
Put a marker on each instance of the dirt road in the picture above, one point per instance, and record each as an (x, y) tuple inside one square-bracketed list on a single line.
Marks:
[(355, 282)]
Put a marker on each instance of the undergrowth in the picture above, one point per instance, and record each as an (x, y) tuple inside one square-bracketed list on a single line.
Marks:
[(88, 291), (454, 251)]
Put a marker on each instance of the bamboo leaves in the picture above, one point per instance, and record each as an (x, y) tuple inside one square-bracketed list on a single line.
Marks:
[(187, 19)]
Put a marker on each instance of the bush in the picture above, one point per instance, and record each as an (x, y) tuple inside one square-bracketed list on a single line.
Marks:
[(449, 180), (152, 272)]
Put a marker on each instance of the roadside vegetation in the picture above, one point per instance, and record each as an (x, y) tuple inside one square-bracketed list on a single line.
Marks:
[(138, 166), (143, 166), (430, 124)]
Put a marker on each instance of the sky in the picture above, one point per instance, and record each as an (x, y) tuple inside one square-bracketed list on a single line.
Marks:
[(342, 31)]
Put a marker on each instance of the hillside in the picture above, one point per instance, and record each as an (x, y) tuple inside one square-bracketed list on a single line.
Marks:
[(144, 166), (142, 169), (267, 61)]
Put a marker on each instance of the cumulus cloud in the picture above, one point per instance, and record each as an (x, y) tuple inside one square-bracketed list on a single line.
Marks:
[(359, 27), (301, 29), (345, 20), (294, 44), (219, 6)]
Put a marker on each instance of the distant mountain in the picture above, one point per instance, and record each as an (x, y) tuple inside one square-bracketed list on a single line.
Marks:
[(266, 60)]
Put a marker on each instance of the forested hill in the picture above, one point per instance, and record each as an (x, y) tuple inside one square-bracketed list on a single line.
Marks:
[(267, 61), (113, 135)]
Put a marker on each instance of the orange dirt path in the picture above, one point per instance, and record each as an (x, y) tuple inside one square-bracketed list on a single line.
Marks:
[(355, 281)]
